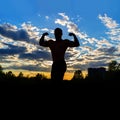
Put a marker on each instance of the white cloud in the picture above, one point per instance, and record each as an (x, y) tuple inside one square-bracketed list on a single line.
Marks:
[(112, 26), (108, 22), (9, 26), (45, 29), (47, 17), (65, 17), (32, 31), (71, 26), (61, 22), (39, 15)]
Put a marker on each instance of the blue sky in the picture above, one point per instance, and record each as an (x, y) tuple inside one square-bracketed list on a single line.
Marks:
[(95, 22)]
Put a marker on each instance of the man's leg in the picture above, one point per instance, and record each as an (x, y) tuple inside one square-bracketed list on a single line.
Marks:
[(57, 72)]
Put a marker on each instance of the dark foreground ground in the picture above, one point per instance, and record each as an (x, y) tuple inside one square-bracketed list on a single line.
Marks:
[(48, 84), (47, 90)]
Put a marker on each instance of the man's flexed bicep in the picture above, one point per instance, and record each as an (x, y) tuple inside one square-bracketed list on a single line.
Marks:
[(74, 43), (42, 41)]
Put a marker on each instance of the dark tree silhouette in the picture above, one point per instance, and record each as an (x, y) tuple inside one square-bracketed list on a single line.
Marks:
[(113, 75), (20, 75), (111, 79), (10, 74), (78, 75), (113, 66), (1, 69), (2, 74)]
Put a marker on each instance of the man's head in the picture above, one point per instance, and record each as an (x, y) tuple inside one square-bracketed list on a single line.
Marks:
[(58, 33)]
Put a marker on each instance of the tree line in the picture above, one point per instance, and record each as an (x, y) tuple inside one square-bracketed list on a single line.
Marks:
[(111, 76)]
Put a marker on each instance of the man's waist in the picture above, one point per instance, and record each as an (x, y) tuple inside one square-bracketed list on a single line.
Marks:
[(59, 61)]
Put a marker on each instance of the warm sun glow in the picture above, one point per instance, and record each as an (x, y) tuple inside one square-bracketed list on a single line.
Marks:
[(67, 76)]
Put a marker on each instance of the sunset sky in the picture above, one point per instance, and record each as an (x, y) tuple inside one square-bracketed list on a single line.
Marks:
[(95, 22)]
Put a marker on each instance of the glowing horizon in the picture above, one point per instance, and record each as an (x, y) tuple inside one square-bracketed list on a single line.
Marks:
[(67, 76)]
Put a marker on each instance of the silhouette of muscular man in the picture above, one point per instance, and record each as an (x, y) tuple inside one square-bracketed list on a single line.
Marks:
[(58, 48)]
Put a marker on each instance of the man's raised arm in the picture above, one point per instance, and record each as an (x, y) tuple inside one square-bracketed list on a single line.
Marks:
[(74, 43), (42, 41)]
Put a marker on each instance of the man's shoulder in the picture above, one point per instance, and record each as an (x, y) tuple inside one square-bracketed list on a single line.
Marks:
[(66, 40), (50, 41)]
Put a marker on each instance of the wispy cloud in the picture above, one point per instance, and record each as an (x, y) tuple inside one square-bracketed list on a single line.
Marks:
[(47, 17), (71, 26), (26, 33), (12, 50), (7, 30), (112, 26), (108, 22)]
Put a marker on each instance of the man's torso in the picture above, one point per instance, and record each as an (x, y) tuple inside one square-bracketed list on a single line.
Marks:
[(58, 49)]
